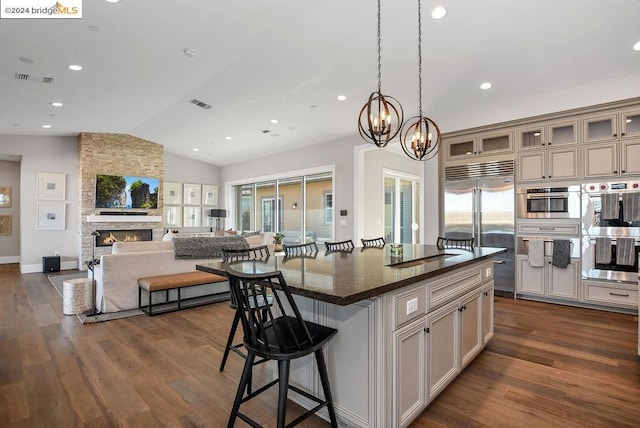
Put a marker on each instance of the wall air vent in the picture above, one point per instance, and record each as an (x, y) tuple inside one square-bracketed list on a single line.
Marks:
[(31, 78), (200, 104)]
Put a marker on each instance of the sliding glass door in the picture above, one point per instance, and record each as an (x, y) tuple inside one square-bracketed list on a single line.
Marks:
[(401, 208)]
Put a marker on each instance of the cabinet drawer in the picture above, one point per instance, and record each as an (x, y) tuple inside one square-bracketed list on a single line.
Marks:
[(453, 286), (409, 306), (603, 293), (546, 228)]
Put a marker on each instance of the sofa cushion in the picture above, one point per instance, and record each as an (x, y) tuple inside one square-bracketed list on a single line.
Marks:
[(254, 240), (202, 247), (139, 247)]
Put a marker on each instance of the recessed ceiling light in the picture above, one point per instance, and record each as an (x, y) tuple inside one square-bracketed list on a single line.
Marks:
[(438, 12), (46, 126), (189, 53), (274, 121), (486, 85), (75, 67), (112, 1), (636, 47), (26, 60), (94, 28), (56, 104), (195, 149), (228, 138), (341, 97)]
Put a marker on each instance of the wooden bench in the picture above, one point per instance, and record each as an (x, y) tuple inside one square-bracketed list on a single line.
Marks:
[(176, 281)]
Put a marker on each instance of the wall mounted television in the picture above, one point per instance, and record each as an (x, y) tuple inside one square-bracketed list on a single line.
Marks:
[(126, 192)]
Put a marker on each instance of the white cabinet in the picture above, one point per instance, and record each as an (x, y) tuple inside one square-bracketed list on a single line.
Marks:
[(410, 364), (471, 327), (483, 144), (548, 280), (611, 159), (443, 333), (611, 294), (548, 165), (487, 313)]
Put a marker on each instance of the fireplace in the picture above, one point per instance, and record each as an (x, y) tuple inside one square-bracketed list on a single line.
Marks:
[(108, 237)]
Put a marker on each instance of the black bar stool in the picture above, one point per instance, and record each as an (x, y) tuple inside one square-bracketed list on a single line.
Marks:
[(375, 242), (280, 335)]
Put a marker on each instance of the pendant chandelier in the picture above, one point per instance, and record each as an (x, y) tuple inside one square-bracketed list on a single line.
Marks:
[(420, 136), (381, 117)]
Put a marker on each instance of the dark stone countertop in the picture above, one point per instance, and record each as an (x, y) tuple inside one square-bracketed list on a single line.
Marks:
[(343, 278)]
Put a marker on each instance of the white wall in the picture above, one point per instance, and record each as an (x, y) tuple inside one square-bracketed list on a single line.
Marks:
[(10, 245), (179, 169), (46, 154)]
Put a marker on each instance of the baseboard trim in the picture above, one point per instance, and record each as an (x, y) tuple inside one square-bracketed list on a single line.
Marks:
[(64, 265), (9, 260)]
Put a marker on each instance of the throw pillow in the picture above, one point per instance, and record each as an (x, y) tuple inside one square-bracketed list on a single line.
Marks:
[(250, 233), (230, 232)]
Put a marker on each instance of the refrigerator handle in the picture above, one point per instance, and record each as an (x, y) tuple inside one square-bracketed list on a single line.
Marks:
[(473, 212), (478, 213)]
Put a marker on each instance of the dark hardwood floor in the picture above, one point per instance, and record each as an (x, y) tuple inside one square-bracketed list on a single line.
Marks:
[(547, 365)]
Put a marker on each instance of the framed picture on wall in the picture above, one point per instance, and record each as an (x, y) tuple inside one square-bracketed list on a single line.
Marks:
[(206, 220), (192, 194), (50, 216), (5, 197), (172, 193), (209, 194), (191, 217), (172, 216), (5, 225), (50, 185)]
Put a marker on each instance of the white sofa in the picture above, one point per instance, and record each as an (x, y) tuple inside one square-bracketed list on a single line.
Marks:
[(117, 274)]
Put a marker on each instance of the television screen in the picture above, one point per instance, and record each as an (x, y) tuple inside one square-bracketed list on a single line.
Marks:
[(124, 192)]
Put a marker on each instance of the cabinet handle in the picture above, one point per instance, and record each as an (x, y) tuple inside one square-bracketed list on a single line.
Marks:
[(543, 176), (623, 171), (479, 151), (486, 293), (498, 262), (548, 144), (426, 330), (615, 172), (623, 134), (549, 177), (618, 294), (615, 135)]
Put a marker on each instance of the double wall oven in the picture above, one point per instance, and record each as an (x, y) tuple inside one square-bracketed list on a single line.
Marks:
[(611, 231)]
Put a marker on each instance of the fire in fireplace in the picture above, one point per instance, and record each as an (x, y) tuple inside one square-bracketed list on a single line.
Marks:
[(108, 237)]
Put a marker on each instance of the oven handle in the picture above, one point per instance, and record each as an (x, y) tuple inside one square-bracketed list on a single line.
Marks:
[(547, 195), (614, 240)]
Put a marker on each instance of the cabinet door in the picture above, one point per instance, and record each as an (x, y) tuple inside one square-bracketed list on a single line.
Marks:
[(531, 137), (495, 142), (470, 327), (530, 279), (409, 365), (630, 157), (600, 128), (442, 348), (630, 124), (562, 163), (600, 160), (564, 132), (487, 313), (563, 282), (461, 148), (531, 166)]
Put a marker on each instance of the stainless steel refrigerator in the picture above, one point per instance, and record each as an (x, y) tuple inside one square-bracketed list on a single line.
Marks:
[(484, 208)]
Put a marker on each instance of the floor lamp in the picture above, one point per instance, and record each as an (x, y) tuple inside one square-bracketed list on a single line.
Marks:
[(218, 214), (92, 265)]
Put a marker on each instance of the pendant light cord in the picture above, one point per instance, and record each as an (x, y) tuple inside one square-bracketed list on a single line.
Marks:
[(379, 53), (419, 58)]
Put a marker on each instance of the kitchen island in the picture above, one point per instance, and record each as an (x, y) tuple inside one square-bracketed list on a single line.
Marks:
[(406, 325)]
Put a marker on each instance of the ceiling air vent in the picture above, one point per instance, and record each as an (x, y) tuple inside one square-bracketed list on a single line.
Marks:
[(200, 104), (265, 131), (32, 78)]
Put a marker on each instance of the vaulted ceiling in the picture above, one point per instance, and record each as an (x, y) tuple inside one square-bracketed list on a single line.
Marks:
[(251, 61)]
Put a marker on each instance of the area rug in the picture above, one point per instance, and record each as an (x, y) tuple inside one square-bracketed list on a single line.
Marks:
[(57, 280)]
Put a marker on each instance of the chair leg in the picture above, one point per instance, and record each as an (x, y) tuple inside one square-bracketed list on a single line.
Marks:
[(283, 375), (246, 373), (324, 378), (232, 333)]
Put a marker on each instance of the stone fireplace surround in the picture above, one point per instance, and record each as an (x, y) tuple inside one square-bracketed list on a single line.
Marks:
[(115, 154)]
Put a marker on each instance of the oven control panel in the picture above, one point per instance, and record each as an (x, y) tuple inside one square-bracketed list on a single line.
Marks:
[(612, 186)]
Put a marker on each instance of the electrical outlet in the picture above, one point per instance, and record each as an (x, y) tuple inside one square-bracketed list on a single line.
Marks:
[(412, 305), (488, 273), (56, 253)]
